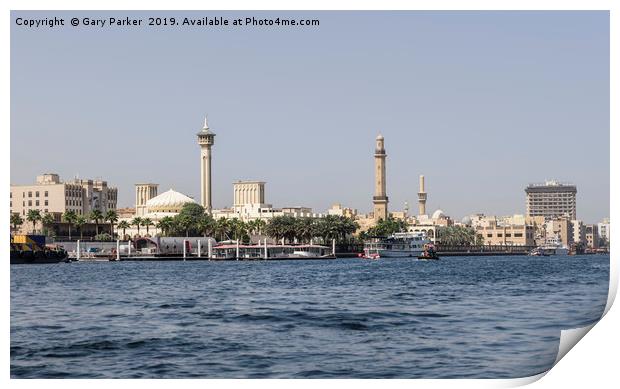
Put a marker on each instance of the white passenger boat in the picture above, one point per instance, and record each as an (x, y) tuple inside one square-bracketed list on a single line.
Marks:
[(553, 246), (397, 245)]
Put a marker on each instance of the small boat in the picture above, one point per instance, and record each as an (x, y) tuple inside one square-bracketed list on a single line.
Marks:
[(538, 252), (373, 256), (429, 253)]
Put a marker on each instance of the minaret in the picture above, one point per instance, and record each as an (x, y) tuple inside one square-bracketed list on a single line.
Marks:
[(206, 139), (380, 199), (422, 198)]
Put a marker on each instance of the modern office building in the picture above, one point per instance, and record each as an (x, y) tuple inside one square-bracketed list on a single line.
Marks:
[(50, 195), (551, 200)]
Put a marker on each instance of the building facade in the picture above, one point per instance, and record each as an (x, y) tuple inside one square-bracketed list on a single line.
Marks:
[(422, 198), (551, 200), (507, 235), (592, 236), (603, 231), (248, 192), (50, 195), (144, 192)]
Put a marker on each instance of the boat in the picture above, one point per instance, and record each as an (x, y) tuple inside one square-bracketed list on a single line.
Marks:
[(429, 253), (397, 245), (32, 249), (554, 246), (538, 252)]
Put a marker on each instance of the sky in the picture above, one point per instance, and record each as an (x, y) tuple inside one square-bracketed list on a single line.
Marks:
[(481, 103)]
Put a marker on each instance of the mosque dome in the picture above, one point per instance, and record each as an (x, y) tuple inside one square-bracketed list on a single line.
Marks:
[(170, 201), (438, 214), (466, 221)]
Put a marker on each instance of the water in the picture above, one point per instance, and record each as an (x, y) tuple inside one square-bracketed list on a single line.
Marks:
[(491, 317)]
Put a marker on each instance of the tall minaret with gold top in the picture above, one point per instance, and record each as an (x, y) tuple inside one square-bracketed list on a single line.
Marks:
[(380, 199)]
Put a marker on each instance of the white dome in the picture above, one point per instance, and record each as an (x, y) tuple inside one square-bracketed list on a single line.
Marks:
[(170, 201), (438, 214), (466, 221)]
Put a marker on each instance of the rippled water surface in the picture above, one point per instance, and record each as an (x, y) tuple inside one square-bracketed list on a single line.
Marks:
[(492, 317)]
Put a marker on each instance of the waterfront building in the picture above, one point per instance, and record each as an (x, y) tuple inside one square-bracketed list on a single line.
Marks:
[(551, 200), (249, 204), (561, 228), (603, 231), (579, 231), (206, 139), (380, 199), (50, 195), (429, 229), (144, 192), (592, 237), (169, 203), (507, 235), (422, 198), (338, 210)]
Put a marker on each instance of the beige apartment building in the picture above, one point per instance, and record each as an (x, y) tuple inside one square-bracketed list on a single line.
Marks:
[(507, 235), (50, 195)]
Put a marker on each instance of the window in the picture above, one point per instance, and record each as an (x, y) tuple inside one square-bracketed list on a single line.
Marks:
[(37, 203), (36, 194), (29, 194), (508, 235), (46, 204), (45, 193), (489, 235), (11, 204), (518, 235), (30, 203), (499, 235), (46, 210)]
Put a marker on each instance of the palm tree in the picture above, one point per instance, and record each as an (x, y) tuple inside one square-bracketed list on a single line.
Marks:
[(221, 228), (206, 225), (47, 220), (111, 217), (124, 226), (79, 223), (33, 216), (16, 221), (137, 221), (146, 222), (69, 218), (165, 224), (96, 216)]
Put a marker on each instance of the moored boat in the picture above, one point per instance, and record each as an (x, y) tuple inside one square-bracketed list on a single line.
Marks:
[(397, 245)]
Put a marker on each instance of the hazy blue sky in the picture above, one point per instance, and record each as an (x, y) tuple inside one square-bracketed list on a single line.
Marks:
[(481, 103)]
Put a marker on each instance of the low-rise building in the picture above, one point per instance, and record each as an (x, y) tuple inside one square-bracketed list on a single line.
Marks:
[(507, 235), (592, 237)]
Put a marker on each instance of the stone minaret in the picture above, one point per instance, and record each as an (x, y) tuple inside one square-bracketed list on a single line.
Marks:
[(380, 199), (206, 139), (421, 198)]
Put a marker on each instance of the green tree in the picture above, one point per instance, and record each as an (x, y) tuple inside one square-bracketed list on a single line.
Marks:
[(386, 227), (16, 221), (206, 225), (96, 216), (221, 228), (47, 220), (147, 222), (123, 225), (166, 225), (137, 222), (111, 217), (69, 217), (456, 236), (79, 223), (33, 216)]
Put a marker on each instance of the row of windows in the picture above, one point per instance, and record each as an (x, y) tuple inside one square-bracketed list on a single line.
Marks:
[(36, 194), (73, 202), (24, 211), (36, 203)]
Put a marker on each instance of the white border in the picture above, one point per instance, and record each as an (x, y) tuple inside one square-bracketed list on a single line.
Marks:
[(597, 353)]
